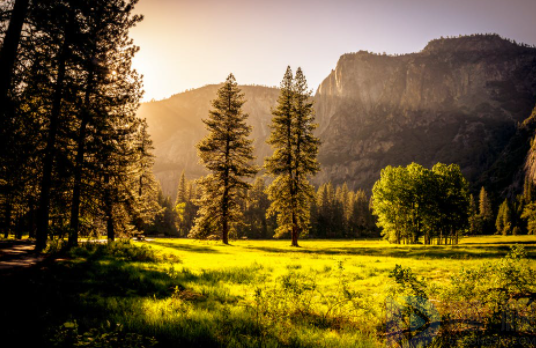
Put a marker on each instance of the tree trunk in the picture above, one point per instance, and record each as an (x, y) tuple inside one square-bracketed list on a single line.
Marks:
[(225, 197), (7, 217), (8, 53), (225, 211), (48, 161), (19, 226), (110, 227), (77, 188), (109, 209), (225, 231), (31, 218), (295, 234), (79, 166)]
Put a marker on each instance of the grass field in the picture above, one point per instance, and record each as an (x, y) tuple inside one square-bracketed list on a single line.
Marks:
[(188, 293)]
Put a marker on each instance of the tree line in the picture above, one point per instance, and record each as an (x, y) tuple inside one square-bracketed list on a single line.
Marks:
[(75, 159), (229, 202), (414, 204), (409, 204), (336, 212)]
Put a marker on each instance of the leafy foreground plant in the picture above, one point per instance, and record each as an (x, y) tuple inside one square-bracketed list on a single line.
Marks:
[(487, 306), (297, 301)]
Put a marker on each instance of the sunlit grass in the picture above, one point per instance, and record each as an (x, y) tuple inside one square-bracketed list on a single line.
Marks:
[(190, 293)]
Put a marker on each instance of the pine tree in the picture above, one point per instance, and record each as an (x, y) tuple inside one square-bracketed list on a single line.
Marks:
[(499, 222), (181, 204), (8, 55), (485, 211), (106, 56), (79, 147), (474, 220), (529, 214), (181, 190), (504, 223), (62, 29), (227, 153), (294, 159)]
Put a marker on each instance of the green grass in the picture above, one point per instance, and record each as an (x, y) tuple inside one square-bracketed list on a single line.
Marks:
[(249, 294)]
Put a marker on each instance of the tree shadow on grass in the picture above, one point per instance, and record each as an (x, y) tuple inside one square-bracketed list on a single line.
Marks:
[(502, 243), (36, 302), (188, 247), (416, 252)]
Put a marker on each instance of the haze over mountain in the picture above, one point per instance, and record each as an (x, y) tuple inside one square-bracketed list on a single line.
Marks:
[(176, 127), (459, 100)]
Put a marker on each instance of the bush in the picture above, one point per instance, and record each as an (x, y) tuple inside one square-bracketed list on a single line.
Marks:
[(496, 298)]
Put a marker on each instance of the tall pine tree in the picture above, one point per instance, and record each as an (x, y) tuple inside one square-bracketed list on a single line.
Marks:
[(486, 212), (227, 153), (295, 157)]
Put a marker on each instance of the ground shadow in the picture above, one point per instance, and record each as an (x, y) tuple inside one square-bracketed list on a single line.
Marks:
[(419, 252), (188, 247), (93, 292)]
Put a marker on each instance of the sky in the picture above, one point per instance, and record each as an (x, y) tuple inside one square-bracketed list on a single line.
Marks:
[(187, 44)]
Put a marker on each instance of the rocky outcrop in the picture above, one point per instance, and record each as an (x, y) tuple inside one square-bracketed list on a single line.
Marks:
[(460, 101)]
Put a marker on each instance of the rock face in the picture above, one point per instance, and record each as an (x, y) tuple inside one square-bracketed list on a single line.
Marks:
[(460, 101), (176, 126)]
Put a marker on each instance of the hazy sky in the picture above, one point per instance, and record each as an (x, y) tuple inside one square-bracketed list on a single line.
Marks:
[(189, 43)]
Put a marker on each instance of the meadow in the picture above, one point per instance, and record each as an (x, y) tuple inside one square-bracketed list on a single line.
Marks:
[(185, 293)]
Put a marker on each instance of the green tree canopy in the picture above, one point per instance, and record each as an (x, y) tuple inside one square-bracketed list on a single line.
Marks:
[(413, 202)]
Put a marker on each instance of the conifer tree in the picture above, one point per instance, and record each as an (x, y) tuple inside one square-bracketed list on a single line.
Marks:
[(183, 205), (8, 54), (227, 153), (79, 147), (474, 225), (294, 158), (110, 83), (60, 27), (503, 222), (485, 211), (181, 190)]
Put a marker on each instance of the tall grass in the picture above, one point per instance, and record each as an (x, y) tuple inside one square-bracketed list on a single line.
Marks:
[(184, 293)]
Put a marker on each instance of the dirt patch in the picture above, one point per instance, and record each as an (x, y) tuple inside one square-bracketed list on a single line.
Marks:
[(14, 255)]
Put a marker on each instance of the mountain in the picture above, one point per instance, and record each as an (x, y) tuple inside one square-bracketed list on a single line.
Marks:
[(460, 100), (176, 127), (463, 100)]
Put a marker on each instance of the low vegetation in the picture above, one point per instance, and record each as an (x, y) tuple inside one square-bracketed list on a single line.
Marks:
[(184, 293)]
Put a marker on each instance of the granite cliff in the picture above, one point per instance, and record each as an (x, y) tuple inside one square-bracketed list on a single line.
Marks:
[(459, 100), (465, 100)]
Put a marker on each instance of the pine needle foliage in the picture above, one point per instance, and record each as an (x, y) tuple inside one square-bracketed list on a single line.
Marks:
[(227, 153), (295, 157)]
